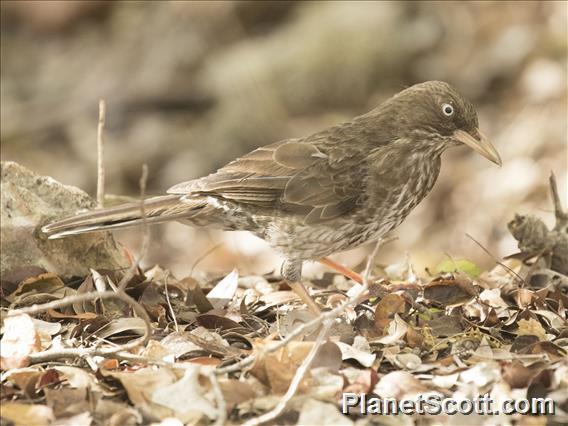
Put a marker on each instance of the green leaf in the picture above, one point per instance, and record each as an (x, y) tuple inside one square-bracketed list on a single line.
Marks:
[(458, 265)]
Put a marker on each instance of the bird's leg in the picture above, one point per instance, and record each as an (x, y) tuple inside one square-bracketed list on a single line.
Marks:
[(291, 271), (341, 270)]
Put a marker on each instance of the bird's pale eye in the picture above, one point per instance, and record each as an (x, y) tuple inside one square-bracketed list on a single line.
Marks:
[(448, 110)]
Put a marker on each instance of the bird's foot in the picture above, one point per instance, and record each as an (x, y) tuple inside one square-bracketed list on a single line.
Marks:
[(352, 275)]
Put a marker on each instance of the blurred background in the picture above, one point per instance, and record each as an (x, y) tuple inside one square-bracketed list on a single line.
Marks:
[(191, 85)]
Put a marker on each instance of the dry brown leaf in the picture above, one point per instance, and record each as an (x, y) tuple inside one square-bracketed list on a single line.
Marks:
[(43, 283), (276, 369), (25, 378), (414, 338), (217, 322), (387, 307), (141, 384), (237, 391), (328, 356), (450, 292), (446, 325), (517, 375), (525, 297)]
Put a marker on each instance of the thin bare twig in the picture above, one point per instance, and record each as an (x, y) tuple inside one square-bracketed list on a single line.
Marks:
[(371, 259), (100, 155), (501, 264), (54, 354), (145, 233), (172, 313), (300, 373)]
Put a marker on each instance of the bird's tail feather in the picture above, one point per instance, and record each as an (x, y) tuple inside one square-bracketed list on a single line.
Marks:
[(156, 210)]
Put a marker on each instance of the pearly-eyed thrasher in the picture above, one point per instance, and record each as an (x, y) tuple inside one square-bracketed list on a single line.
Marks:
[(327, 192)]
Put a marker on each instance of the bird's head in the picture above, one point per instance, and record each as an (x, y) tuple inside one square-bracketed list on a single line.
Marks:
[(435, 114)]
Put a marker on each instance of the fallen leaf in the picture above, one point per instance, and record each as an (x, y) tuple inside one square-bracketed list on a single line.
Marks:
[(179, 343), (217, 322), (81, 419), (458, 265), (399, 384), (360, 353), (450, 292), (140, 386), (481, 374), (531, 327), (445, 325), (27, 414), (408, 361), (517, 375), (20, 339), (78, 377), (328, 356), (224, 291), (43, 283), (120, 325), (364, 383), (25, 378), (185, 397), (276, 369), (387, 307), (67, 401), (396, 331), (314, 412)]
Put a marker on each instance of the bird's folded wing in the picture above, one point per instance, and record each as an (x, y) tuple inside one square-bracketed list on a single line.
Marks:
[(290, 177)]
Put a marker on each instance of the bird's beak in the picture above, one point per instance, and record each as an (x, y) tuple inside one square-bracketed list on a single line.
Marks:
[(479, 143)]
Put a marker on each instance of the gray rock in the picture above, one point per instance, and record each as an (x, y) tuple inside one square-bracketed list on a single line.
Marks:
[(30, 201)]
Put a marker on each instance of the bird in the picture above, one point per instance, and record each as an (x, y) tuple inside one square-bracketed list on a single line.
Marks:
[(328, 192)]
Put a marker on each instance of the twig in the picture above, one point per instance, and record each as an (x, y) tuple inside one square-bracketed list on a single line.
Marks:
[(300, 373), (219, 397), (501, 264), (325, 316), (100, 155), (172, 313), (145, 234), (371, 259), (561, 215), (54, 354)]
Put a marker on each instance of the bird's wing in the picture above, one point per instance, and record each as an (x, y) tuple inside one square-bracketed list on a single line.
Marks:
[(291, 177)]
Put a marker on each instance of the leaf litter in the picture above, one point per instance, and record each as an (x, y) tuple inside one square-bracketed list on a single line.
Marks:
[(226, 350)]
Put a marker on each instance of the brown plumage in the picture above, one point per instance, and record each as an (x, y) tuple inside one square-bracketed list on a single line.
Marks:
[(331, 191)]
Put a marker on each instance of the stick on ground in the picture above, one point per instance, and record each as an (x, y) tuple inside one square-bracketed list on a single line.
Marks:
[(100, 155)]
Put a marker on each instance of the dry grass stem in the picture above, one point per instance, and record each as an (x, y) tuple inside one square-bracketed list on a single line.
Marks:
[(100, 155)]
